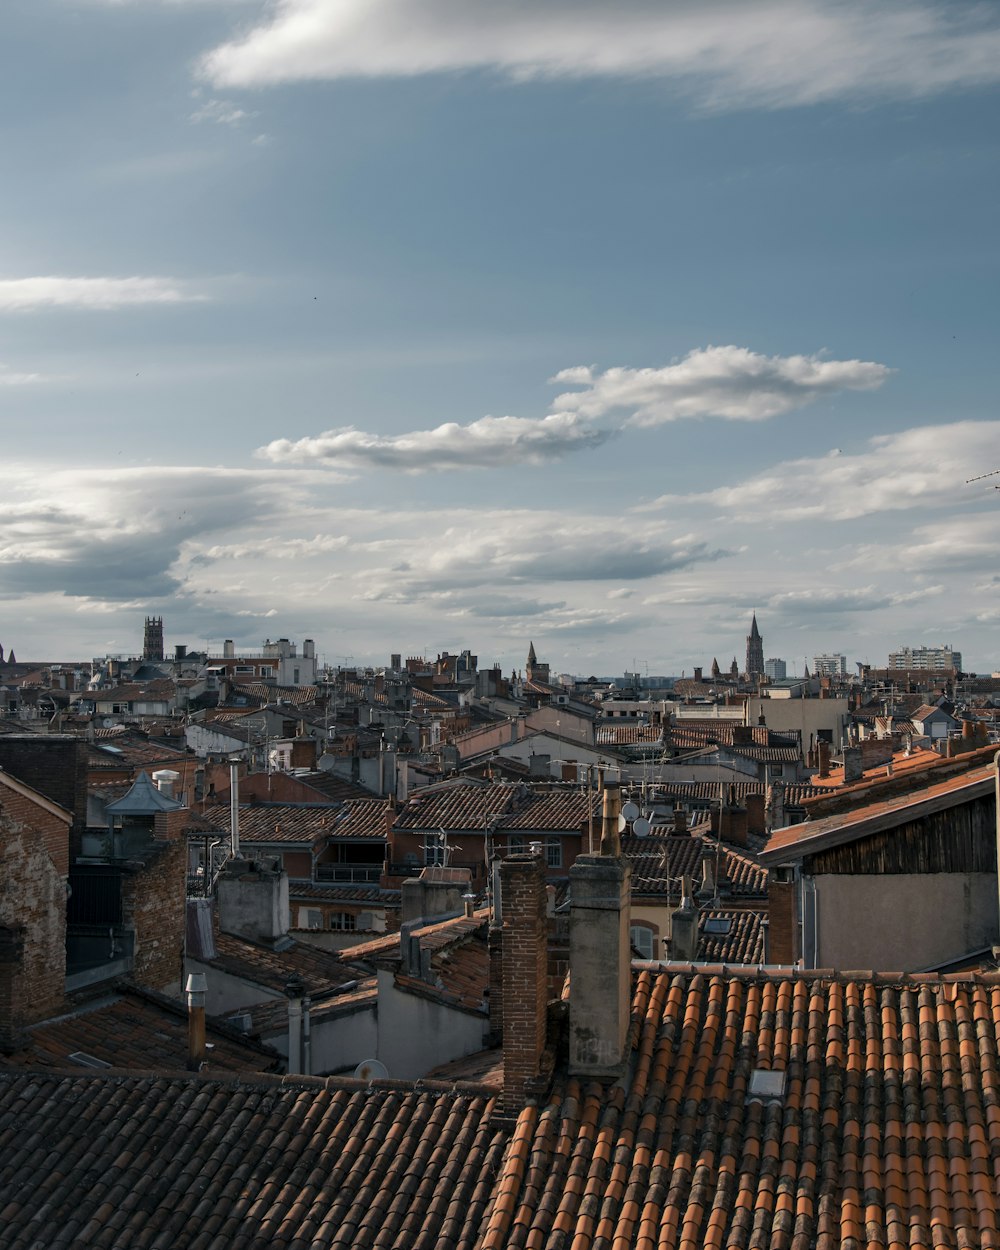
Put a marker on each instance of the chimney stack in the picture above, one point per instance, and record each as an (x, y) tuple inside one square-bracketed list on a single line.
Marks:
[(524, 974), (600, 955), (824, 759), (680, 826), (684, 926)]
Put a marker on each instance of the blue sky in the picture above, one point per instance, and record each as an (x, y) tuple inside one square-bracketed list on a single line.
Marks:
[(412, 326)]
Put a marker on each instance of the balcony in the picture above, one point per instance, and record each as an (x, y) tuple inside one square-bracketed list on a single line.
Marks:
[(348, 874)]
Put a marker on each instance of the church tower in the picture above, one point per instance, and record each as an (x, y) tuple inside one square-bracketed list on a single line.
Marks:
[(533, 670), (152, 638), (755, 651)]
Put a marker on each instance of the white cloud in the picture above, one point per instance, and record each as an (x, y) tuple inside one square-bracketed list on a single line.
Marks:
[(220, 113), (924, 467), (724, 53), (730, 382), (26, 294), (10, 377), (490, 442)]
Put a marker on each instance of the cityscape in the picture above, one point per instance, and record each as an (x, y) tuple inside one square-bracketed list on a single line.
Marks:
[(499, 670)]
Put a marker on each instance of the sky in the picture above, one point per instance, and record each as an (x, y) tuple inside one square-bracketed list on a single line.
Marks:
[(418, 325)]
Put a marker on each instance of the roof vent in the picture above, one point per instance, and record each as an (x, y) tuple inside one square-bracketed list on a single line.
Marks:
[(767, 1085)]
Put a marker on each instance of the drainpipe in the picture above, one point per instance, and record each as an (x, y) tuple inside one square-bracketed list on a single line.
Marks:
[(996, 770), (295, 991), (306, 1037), (234, 805)]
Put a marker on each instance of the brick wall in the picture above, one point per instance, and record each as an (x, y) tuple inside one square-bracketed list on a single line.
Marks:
[(782, 916), (33, 869), (55, 765), (153, 907), (524, 967)]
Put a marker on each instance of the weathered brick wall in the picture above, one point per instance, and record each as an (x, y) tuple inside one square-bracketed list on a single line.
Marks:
[(53, 764), (33, 868), (153, 907)]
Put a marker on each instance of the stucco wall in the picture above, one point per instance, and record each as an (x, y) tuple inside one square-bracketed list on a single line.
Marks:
[(903, 923), (416, 1034)]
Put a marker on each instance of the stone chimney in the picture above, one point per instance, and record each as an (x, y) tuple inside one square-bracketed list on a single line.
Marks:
[(854, 767), (253, 901), (435, 894), (524, 974), (684, 926), (600, 955), (775, 810)]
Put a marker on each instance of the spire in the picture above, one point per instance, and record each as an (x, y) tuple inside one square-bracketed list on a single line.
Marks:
[(754, 631)]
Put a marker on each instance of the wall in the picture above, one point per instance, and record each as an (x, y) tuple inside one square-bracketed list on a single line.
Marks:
[(226, 992), (33, 872), (336, 1043), (807, 716), (153, 906), (53, 764), (903, 923), (416, 1034)]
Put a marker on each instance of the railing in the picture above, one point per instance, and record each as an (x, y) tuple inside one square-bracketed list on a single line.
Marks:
[(357, 874)]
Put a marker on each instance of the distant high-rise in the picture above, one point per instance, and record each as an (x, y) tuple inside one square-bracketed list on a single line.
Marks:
[(152, 638), (934, 659), (834, 665), (755, 651), (775, 669)]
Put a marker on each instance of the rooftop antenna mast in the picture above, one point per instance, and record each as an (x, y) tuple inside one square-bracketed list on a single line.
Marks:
[(982, 477)]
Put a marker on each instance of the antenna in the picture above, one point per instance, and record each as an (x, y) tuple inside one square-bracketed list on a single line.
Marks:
[(371, 1070)]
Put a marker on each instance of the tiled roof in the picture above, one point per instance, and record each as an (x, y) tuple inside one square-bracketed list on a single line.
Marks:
[(621, 733), (140, 1030), (461, 806), (271, 1016), (661, 860), (276, 822), (332, 787), (267, 693), (742, 944), (131, 752), (321, 971), (341, 892), (137, 1163), (708, 791), (552, 811), (363, 819), (886, 1134)]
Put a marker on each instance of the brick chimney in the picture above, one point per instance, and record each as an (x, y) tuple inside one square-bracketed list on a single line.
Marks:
[(824, 759), (600, 956), (680, 825), (524, 974), (755, 805)]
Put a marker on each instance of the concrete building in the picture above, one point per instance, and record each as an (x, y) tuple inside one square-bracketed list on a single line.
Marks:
[(933, 659), (830, 665), (775, 669)]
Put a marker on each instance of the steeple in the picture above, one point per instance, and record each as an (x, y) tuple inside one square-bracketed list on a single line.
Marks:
[(755, 651)]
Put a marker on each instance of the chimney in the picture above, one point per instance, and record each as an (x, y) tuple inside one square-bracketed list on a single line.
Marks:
[(253, 902), (854, 768), (776, 818), (435, 894), (165, 779), (708, 873), (824, 759), (755, 805), (697, 674), (524, 974), (195, 991), (600, 955), (228, 650), (680, 826), (611, 844), (295, 991), (684, 926), (733, 824)]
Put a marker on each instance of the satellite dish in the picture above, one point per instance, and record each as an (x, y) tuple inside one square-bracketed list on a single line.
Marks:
[(641, 827), (630, 811), (371, 1070)]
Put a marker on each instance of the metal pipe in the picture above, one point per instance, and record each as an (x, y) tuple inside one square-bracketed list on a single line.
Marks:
[(234, 805), (306, 1038), (195, 992)]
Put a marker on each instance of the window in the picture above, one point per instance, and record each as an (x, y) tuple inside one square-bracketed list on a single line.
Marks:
[(642, 939), (517, 844), (314, 918), (434, 850), (346, 921), (553, 853)]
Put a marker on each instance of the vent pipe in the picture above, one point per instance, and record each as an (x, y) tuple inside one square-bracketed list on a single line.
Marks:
[(234, 805), (195, 991)]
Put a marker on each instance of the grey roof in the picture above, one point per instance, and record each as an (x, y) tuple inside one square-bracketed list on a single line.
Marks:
[(142, 799)]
